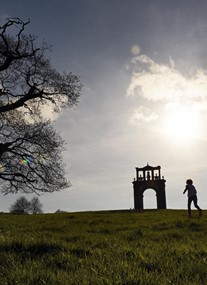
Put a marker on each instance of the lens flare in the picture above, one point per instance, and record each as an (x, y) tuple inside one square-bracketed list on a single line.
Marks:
[(25, 161)]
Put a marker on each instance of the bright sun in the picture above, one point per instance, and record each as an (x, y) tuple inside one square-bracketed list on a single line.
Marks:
[(182, 124)]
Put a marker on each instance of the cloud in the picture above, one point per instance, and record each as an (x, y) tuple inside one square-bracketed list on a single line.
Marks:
[(161, 82), (45, 110), (142, 114)]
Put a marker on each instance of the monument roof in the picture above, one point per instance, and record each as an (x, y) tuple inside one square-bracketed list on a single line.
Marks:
[(148, 167)]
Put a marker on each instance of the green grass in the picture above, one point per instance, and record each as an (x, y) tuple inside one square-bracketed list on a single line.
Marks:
[(111, 247)]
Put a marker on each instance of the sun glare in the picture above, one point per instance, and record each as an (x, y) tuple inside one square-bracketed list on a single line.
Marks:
[(182, 124)]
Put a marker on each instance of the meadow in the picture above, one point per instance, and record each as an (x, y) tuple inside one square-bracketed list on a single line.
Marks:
[(110, 247)]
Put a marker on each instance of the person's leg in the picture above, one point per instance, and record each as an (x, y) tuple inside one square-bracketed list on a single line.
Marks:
[(195, 201), (189, 206)]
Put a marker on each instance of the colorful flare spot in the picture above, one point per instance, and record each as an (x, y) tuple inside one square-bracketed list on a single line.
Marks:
[(26, 161)]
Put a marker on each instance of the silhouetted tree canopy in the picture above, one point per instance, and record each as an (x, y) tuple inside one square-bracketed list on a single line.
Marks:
[(35, 206), (20, 206), (23, 206), (30, 149)]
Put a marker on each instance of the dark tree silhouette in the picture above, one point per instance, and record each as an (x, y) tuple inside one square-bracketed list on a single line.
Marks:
[(21, 206), (30, 149), (27, 78), (35, 206)]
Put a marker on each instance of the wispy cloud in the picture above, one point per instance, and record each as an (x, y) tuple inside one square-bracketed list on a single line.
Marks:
[(142, 114), (161, 82)]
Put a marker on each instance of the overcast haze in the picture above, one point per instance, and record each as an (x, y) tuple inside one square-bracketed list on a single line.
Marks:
[(144, 69)]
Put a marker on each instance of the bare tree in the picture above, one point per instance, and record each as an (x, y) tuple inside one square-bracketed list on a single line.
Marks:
[(30, 149), (35, 205), (27, 77), (21, 206), (32, 160)]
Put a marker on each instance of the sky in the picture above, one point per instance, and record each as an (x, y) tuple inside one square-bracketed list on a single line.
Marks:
[(143, 64)]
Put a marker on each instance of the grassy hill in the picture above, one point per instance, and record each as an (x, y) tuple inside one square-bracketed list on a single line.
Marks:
[(111, 247)]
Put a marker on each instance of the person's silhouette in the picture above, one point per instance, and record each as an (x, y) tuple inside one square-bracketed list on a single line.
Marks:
[(192, 196)]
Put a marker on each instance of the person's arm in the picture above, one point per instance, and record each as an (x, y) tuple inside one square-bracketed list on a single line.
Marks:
[(186, 188)]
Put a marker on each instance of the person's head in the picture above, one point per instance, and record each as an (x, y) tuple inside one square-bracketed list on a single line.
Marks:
[(189, 181)]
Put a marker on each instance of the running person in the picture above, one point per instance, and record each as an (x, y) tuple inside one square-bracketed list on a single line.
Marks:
[(192, 196)]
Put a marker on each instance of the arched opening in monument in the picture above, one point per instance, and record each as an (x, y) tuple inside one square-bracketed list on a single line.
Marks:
[(149, 199)]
